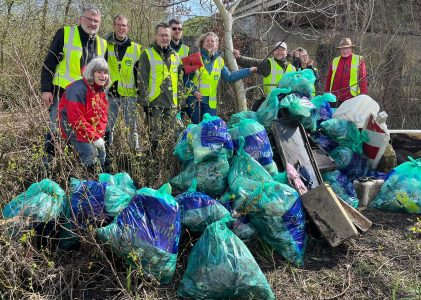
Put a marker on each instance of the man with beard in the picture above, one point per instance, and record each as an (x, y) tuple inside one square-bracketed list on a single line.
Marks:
[(71, 49)]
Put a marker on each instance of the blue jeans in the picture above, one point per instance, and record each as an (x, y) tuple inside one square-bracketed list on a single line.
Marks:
[(88, 153), (128, 105), (196, 109)]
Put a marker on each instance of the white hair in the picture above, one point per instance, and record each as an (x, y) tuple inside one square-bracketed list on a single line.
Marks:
[(91, 8)]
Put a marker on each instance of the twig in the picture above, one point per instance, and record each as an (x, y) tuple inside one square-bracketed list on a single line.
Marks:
[(348, 267)]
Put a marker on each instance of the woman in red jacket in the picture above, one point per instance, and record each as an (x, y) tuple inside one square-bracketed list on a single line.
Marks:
[(83, 111)]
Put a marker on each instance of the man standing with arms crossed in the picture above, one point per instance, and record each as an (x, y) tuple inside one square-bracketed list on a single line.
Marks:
[(71, 49), (159, 84), (123, 58)]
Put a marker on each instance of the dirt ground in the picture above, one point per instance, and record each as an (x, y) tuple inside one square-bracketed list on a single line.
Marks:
[(383, 263)]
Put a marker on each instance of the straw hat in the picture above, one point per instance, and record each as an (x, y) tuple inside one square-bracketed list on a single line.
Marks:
[(345, 43)]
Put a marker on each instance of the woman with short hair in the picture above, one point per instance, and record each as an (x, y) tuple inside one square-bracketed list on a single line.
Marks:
[(83, 111)]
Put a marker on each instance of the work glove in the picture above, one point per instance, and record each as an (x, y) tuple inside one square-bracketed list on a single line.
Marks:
[(99, 143)]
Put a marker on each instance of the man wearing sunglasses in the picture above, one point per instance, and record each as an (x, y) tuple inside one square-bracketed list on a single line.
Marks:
[(71, 49), (176, 38)]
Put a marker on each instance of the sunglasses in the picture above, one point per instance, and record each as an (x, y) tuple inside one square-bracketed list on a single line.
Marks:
[(176, 28)]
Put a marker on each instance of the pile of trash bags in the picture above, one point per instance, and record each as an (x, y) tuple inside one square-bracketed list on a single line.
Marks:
[(230, 191)]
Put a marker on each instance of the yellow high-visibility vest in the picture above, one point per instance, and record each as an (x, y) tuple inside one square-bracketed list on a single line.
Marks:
[(276, 72), (207, 83), (183, 51), (353, 73), (122, 71), (159, 71), (68, 70)]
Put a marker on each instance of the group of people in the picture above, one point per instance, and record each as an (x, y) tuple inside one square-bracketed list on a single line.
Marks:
[(86, 80)]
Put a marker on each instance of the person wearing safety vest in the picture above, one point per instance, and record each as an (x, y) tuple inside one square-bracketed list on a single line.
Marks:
[(123, 58), (272, 69), (158, 82), (176, 39), (347, 75), (304, 62), (202, 84), (71, 49)]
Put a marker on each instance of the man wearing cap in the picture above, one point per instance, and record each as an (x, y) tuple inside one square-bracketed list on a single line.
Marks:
[(347, 75), (272, 69)]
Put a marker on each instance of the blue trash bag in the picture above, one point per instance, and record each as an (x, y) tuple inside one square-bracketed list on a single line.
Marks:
[(274, 209), (301, 109), (257, 143), (350, 163), (324, 142), (220, 266), (183, 150), (322, 104), (42, 202), (268, 111), (119, 192), (87, 203), (242, 115), (211, 176), (401, 190), (147, 232), (210, 139), (346, 133), (301, 82), (199, 210), (342, 187)]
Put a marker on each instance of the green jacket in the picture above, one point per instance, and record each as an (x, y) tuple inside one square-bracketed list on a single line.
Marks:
[(165, 98)]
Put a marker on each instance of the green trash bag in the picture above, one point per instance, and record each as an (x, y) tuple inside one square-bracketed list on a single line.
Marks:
[(147, 232), (346, 133), (242, 115), (281, 177), (198, 210), (119, 192), (401, 190), (42, 202), (183, 150), (220, 266), (210, 139), (268, 111), (301, 82), (211, 176), (275, 209), (301, 109), (256, 144)]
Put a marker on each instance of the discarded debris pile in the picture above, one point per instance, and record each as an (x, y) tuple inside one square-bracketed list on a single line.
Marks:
[(235, 187)]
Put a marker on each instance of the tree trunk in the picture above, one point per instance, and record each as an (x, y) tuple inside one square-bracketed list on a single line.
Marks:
[(240, 101)]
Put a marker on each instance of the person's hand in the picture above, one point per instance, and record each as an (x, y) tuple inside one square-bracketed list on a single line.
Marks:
[(100, 143), (198, 95), (47, 97), (236, 53), (253, 69), (310, 63)]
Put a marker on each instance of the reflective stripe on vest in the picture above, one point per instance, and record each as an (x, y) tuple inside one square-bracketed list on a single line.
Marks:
[(159, 71), (207, 84), (276, 72), (183, 51), (354, 86), (122, 71), (68, 70)]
